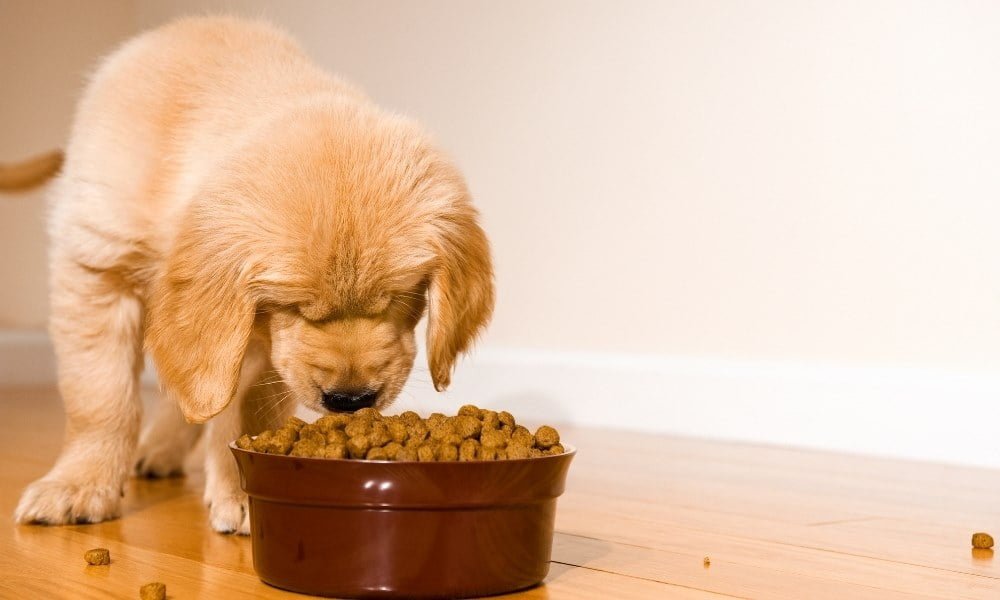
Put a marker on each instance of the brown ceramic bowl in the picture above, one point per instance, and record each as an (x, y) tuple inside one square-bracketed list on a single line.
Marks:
[(379, 529)]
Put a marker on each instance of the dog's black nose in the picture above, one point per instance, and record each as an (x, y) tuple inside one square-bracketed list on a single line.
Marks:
[(349, 400)]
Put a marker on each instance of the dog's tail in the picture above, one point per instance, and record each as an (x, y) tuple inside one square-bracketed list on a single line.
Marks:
[(30, 173)]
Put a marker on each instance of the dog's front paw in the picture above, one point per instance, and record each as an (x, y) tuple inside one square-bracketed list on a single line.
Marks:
[(230, 514), (55, 501)]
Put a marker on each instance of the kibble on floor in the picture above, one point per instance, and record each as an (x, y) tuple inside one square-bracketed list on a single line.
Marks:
[(97, 556), (153, 591)]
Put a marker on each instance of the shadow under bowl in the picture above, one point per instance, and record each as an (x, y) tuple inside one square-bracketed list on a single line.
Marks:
[(380, 529)]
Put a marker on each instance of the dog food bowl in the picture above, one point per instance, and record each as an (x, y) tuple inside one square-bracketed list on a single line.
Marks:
[(379, 529)]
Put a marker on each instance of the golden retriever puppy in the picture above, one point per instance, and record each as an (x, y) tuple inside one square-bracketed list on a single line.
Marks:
[(266, 233)]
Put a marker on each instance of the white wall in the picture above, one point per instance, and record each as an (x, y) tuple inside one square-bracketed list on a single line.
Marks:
[(738, 216), (46, 47), (783, 179)]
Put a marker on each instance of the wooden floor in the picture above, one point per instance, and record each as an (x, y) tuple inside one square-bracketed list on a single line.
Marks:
[(639, 515)]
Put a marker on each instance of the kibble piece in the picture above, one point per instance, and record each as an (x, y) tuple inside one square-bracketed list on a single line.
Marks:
[(467, 426), (97, 556), (535, 453), (982, 540), (358, 446), (418, 432), (397, 430), (491, 420), (447, 453), (368, 414), (492, 438), (278, 444), (153, 591), (306, 449), (292, 428), (556, 449), (287, 434), (407, 454), (468, 450), (377, 453), (706, 561), (434, 420), (452, 438), (392, 450), (314, 433), (409, 417), (325, 423), (425, 453), (521, 435), (294, 422), (358, 427), (506, 419), (245, 442), (336, 436), (334, 450), (546, 437), (341, 419), (334, 421), (518, 451), (379, 435), (470, 410), (441, 430), (260, 442)]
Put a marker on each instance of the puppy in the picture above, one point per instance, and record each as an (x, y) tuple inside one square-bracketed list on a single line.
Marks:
[(266, 233)]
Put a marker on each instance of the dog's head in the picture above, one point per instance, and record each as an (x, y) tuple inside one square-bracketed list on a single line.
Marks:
[(329, 240)]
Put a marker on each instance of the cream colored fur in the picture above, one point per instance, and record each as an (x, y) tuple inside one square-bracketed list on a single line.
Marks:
[(265, 232)]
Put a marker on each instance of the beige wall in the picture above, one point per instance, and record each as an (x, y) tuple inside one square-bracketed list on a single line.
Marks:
[(791, 180), (46, 46)]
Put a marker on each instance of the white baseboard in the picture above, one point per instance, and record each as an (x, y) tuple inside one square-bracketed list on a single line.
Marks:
[(894, 412), (904, 413), (27, 359)]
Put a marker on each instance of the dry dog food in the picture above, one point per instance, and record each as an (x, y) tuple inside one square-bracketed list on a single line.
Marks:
[(97, 556), (153, 591), (473, 434), (982, 540)]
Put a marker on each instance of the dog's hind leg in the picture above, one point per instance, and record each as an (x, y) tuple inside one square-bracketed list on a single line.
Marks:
[(165, 442), (96, 328)]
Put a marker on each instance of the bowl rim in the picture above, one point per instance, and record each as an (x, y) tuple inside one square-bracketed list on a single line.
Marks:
[(570, 450)]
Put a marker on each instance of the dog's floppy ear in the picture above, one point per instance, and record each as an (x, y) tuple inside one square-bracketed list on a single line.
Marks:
[(201, 312), (460, 295)]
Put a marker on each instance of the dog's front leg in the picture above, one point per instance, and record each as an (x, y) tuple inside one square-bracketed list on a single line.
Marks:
[(261, 402), (96, 328), (226, 502)]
